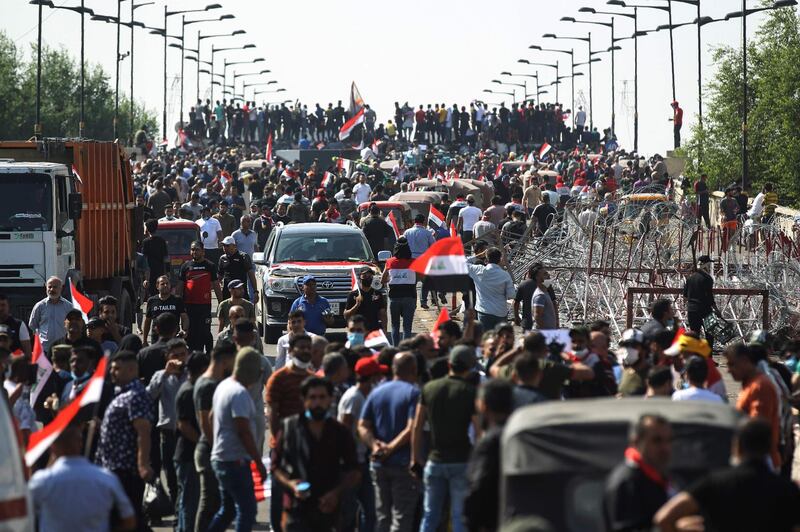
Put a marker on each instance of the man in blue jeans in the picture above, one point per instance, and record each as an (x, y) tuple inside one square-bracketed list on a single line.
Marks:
[(235, 444), (448, 405)]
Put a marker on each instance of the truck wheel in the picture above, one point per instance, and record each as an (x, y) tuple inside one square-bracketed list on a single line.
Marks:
[(271, 334)]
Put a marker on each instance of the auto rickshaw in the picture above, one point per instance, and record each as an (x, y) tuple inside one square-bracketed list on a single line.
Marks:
[(453, 189), (556, 456), (639, 213), (401, 210), (420, 202)]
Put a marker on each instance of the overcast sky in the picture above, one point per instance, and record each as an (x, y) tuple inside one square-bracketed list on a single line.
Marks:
[(416, 51)]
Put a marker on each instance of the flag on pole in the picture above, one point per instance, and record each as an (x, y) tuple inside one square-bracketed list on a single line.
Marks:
[(356, 113), (435, 217), (353, 280), (376, 338), (76, 174), (392, 221), (327, 179), (80, 301), (269, 149), (445, 265), (544, 150), (499, 170), (43, 368), (40, 441)]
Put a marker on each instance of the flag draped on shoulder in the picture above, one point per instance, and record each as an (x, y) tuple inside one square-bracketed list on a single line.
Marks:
[(445, 265), (40, 441), (356, 113)]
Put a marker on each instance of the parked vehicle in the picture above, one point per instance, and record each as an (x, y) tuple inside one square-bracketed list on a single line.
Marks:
[(401, 210), (420, 202), (329, 252), (67, 210), (179, 235)]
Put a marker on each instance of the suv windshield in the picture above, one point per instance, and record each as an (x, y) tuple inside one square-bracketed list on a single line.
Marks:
[(317, 248), (26, 202)]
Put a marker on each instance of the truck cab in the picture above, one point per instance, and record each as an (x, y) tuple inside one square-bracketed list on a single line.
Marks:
[(39, 206)]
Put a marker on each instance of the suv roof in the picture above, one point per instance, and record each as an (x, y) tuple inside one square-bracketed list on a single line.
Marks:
[(317, 228)]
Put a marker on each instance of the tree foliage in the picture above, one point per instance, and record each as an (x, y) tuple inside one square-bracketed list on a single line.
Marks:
[(773, 77), (60, 97)]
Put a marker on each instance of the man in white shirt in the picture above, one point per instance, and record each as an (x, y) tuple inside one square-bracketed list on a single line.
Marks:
[(210, 234), (580, 118), (362, 190), (296, 323), (697, 373), (467, 218)]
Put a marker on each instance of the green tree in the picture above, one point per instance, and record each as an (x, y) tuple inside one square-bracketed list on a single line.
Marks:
[(60, 98), (773, 77)]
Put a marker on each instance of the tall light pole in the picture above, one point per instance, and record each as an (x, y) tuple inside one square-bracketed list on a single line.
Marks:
[(200, 39), (590, 60), (612, 49), (571, 76), (490, 91), (237, 75), (514, 91), (227, 63), (530, 63), (245, 86), (536, 76), (165, 34), (743, 14), (82, 11), (214, 54), (134, 7)]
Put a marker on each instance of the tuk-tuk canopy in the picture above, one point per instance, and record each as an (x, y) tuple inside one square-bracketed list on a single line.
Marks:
[(584, 435)]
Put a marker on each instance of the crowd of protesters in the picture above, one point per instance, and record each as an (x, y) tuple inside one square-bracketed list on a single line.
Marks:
[(405, 437)]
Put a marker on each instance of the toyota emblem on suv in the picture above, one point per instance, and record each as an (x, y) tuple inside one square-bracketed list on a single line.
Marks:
[(327, 285)]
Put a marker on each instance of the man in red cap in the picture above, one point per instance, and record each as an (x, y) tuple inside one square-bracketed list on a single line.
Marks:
[(369, 373), (677, 122)]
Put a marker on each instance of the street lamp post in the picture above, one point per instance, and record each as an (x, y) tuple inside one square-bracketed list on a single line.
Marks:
[(529, 63), (200, 39), (588, 41), (536, 76), (612, 49), (744, 14), (514, 91), (245, 86), (571, 76), (227, 63), (237, 75), (490, 91), (82, 10), (213, 55)]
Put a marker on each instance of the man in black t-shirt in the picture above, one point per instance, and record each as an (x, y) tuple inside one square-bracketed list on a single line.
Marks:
[(154, 249), (235, 265), (544, 213), (524, 296), (198, 279), (160, 303), (749, 496), (367, 302)]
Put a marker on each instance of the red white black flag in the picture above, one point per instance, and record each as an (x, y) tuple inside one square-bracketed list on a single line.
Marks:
[(445, 265)]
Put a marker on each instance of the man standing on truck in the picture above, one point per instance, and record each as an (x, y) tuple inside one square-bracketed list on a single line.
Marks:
[(197, 278), (48, 315)]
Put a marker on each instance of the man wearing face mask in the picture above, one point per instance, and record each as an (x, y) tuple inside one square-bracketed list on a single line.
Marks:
[(367, 302), (544, 311), (80, 365), (315, 461), (284, 400), (699, 295), (634, 376)]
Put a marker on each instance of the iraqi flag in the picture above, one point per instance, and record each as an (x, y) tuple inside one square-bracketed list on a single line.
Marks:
[(80, 301), (445, 266), (40, 441), (392, 221), (499, 170), (435, 218), (544, 150), (43, 368), (268, 156), (356, 113), (327, 180), (353, 280), (376, 338), (261, 491), (453, 231)]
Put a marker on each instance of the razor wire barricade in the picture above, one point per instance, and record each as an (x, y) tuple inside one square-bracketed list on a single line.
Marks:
[(617, 266)]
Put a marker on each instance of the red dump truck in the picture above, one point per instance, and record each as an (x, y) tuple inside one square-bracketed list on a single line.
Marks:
[(67, 209)]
